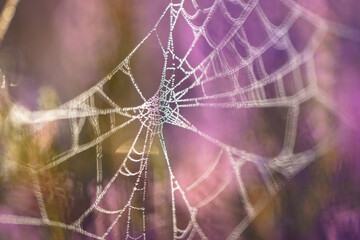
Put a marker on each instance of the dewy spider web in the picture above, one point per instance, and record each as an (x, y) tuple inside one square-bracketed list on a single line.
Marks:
[(221, 65)]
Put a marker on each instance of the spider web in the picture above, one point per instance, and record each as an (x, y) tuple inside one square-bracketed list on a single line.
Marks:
[(230, 51)]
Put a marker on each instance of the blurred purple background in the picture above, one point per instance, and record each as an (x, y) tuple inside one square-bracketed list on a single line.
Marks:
[(62, 48)]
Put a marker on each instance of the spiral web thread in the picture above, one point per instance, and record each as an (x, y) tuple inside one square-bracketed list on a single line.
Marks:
[(165, 107)]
